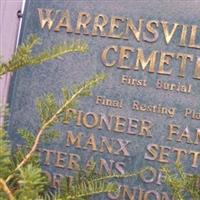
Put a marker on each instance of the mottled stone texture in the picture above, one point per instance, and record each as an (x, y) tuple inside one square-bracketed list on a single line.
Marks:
[(33, 82)]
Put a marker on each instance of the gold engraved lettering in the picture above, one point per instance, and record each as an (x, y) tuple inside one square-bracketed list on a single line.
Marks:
[(46, 17), (74, 161), (48, 156), (124, 55), (106, 144), (65, 22), (142, 62), (193, 114), (128, 80), (165, 60), (91, 142), (183, 58), (104, 56), (179, 152), (100, 25), (114, 25), (113, 146), (83, 21), (109, 102), (149, 175), (71, 140), (193, 36), (159, 109), (164, 153), (145, 129), (168, 35), (136, 32), (150, 26), (179, 134), (90, 116), (120, 124), (151, 193), (60, 159), (183, 36), (152, 152), (197, 69), (176, 87), (137, 193), (114, 123), (196, 156)]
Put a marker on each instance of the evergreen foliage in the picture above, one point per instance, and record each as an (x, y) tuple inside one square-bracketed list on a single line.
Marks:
[(5, 155), (86, 184), (31, 182), (21, 177), (183, 186), (24, 56)]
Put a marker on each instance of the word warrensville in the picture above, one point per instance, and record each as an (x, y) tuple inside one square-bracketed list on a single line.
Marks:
[(128, 57)]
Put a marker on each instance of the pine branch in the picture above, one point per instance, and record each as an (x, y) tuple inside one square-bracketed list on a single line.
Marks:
[(6, 189), (59, 50), (5, 155), (91, 189), (118, 176), (84, 185), (24, 57), (27, 136), (182, 185), (78, 92), (88, 183), (98, 185), (31, 182), (25, 180)]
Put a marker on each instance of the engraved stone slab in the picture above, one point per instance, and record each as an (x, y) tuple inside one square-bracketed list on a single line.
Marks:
[(147, 111)]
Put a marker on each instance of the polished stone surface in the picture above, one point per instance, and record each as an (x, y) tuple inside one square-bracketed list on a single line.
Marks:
[(33, 82)]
